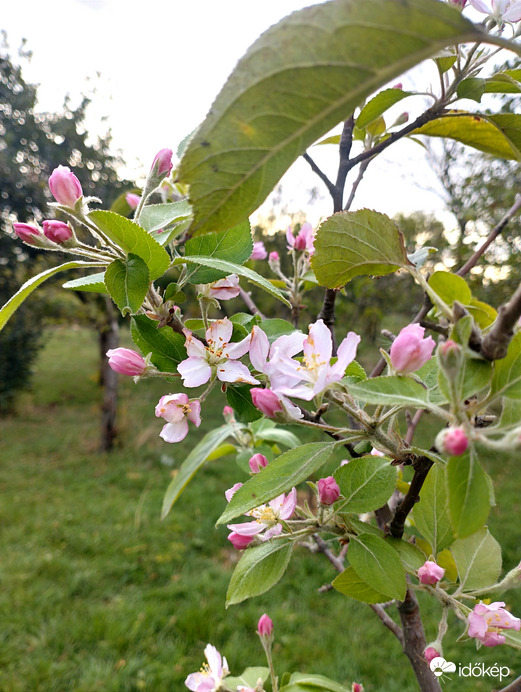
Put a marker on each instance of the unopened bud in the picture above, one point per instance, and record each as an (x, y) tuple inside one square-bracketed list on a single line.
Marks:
[(431, 653), (430, 573), (450, 358), (265, 626), (328, 491), (266, 401), (29, 234), (274, 261), (125, 361), (257, 462), (453, 441), (132, 200), (228, 414), (65, 186), (357, 687), (57, 231)]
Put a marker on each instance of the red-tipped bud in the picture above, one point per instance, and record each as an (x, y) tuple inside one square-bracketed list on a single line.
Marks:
[(453, 441), (65, 186), (132, 200), (57, 231), (125, 361), (357, 687), (430, 653), (29, 234), (257, 462), (328, 491), (266, 401), (265, 626), (162, 163)]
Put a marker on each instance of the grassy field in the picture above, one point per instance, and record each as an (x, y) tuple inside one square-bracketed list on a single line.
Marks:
[(98, 594)]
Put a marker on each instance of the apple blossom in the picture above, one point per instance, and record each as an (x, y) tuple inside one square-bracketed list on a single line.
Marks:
[(223, 289), (430, 573), (303, 240), (500, 10), (215, 359), (212, 673), (125, 361), (57, 231), (410, 350), (65, 186), (268, 517), (177, 410), (328, 491), (486, 621), (29, 234), (259, 251), (257, 462)]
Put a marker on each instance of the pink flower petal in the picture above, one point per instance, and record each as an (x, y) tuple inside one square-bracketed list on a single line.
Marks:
[(194, 414), (195, 371), (248, 528), (175, 432), (259, 348), (219, 332), (239, 348), (194, 347), (233, 371)]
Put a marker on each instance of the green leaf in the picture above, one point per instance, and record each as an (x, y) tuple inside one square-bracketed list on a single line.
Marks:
[(282, 96), (499, 135), (94, 283), (357, 243), (131, 238), (167, 347), (474, 376), (469, 494), (366, 483), (431, 513), (239, 399), (248, 678), (450, 287), (193, 462), (350, 584), (127, 282), (284, 472), (280, 437), (308, 681), (379, 104), (393, 390), (25, 291), (411, 556), (378, 564), (273, 328), (471, 88), (260, 568), (483, 313), (231, 268), (156, 216), (234, 245), (478, 559), (506, 380)]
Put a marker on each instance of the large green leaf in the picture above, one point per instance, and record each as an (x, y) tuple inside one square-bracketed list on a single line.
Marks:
[(379, 104), (239, 398), (127, 282), (469, 494), (94, 283), (234, 245), (478, 559), (193, 462), (133, 239), (284, 472), (394, 390), (260, 568), (29, 286), (366, 483), (506, 380), (356, 243), (350, 584), (499, 135), (167, 347), (431, 513), (450, 287), (232, 268), (295, 83), (157, 216), (378, 564)]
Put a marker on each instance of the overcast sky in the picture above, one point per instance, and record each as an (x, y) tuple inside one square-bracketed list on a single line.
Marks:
[(157, 65)]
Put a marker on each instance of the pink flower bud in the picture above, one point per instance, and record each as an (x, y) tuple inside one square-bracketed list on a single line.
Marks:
[(228, 414), (126, 362), (453, 441), (132, 200), (430, 653), (266, 401), (409, 351), (27, 233), (265, 626), (398, 85), (357, 687), (328, 491), (57, 231), (259, 251), (274, 256), (163, 162), (239, 542), (430, 573), (257, 462), (65, 186)]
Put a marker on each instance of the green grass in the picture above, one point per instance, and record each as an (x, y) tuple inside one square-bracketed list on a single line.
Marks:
[(98, 594)]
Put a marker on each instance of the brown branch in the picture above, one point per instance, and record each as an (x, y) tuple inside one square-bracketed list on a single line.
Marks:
[(414, 643), (344, 150), (494, 345), (322, 546), (323, 177), (515, 686), (250, 304), (388, 622), (354, 188), (421, 467), (497, 230)]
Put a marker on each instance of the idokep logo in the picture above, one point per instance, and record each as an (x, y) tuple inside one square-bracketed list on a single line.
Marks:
[(440, 667)]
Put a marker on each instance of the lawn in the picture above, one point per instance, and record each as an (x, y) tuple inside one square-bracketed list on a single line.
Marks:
[(99, 594)]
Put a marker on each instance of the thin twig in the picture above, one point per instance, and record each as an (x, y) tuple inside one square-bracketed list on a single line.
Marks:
[(411, 428), (354, 188), (322, 546), (323, 177), (421, 467), (250, 304), (388, 622)]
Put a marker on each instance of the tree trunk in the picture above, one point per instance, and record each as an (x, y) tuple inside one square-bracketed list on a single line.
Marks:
[(108, 337)]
